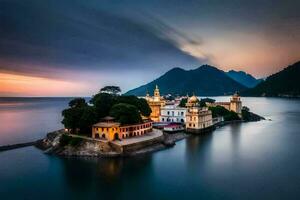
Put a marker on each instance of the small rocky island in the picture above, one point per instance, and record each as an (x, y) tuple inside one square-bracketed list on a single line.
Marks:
[(62, 144), (113, 125)]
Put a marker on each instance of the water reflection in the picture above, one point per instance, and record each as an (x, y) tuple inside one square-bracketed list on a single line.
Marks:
[(106, 174), (257, 160), (235, 133), (27, 119)]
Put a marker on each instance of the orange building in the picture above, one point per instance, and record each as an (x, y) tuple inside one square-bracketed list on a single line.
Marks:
[(155, 103), (110, 130)]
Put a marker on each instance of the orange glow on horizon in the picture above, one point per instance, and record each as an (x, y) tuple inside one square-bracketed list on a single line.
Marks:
[(251, 52), (20, 85)]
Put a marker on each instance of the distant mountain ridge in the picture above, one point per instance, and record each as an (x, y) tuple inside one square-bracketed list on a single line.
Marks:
[(243, 78), (284, 83), (205, 80)]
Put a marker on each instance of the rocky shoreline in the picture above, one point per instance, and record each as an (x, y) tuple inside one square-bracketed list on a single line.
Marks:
[(69, 146), (61, 144), (52, 144)]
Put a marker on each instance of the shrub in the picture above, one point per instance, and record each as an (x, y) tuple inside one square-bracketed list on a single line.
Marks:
[(69, 140)]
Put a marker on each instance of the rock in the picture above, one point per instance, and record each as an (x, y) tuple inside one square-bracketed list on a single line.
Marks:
[(254, 117), (169, 143)]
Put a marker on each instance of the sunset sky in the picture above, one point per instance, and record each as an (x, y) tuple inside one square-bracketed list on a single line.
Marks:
[(75, 47)]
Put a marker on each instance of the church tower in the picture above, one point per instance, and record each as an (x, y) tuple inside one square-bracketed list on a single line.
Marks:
[(156, 94), (155, 103), (236, 103)]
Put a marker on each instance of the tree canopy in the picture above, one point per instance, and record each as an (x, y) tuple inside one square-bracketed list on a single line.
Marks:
[(80, 116), (220, 111), (125, 113), (183, 102), (114, 90), (141, 104), (77, 102)]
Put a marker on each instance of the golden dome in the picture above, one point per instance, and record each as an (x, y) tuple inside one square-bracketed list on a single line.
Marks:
[(193, 99)]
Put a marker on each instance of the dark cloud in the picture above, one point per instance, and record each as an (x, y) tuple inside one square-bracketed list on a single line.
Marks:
[(110, 38), (69, 35)]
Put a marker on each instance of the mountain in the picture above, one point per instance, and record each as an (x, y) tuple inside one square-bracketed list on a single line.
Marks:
[(203, 81), (243, 78), (284, 83)]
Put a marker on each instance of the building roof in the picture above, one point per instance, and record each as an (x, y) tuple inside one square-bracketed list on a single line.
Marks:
[(193, 99), (117, 124), (107, 124), (173, 107)]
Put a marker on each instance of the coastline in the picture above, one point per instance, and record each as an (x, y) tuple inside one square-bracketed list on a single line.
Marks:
[(90, 148), (80, 146)]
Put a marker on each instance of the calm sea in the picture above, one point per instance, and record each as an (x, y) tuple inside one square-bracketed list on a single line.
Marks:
[(257, 160)]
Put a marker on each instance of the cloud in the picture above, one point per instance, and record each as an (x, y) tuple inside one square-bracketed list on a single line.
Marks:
[(44, 38)]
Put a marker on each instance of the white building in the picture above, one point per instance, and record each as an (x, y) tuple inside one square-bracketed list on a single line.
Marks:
[(172, 113), (197, 119)]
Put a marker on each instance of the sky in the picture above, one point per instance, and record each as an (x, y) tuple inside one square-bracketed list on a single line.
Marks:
[(75, 47)]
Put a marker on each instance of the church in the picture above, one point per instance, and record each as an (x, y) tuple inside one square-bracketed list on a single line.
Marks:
[(198, 119), (155, 103)]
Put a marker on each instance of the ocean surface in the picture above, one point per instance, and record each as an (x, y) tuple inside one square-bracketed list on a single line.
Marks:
[(257, 160)]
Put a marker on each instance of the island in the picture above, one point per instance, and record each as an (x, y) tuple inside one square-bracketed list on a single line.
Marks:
[(114, 125)]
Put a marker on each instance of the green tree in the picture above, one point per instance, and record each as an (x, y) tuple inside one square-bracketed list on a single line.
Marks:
[(246, 113), (77, 102), (87, 119), (114, 90), (79, 117), (144, 107), (219, 111), (183, 102), (140, 103), (203, 101), (208, 100), (126, 113), (71, 118), (102, 103)]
